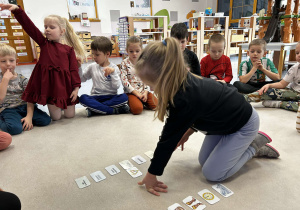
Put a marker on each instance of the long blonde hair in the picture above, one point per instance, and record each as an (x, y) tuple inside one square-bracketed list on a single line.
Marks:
[(162, 64), (70, 36)]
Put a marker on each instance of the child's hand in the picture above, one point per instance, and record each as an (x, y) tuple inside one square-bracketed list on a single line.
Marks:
[(258, 65), (74, 94), (79, 61), (10, 7), (221, 81), (153, 185), (8, 75), (27, 123), (137, 94), (108, 71), (144, 96), (264, 89)]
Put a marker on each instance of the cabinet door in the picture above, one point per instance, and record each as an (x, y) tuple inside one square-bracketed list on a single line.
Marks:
[(12, 33)]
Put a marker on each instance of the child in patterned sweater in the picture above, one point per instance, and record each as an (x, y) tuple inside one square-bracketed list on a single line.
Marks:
[(138, 93)]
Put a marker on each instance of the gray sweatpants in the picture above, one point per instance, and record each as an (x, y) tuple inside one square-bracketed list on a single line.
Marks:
[(221, 156)]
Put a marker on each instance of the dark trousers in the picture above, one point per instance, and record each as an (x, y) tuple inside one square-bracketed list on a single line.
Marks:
[(250, 87), (10, 119), (103, 104)]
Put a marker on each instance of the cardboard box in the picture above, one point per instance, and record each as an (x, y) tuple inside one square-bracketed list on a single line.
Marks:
[(87, 46), (234, 50), (237, 38), (86, 35)]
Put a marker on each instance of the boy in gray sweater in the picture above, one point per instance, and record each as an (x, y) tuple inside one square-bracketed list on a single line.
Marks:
[(104, 98)]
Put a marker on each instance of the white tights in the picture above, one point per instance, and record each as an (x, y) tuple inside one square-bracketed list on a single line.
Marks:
[(56, 112)]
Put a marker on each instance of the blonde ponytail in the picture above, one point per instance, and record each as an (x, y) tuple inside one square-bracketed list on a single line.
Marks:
[(162, 64), (73, 40)]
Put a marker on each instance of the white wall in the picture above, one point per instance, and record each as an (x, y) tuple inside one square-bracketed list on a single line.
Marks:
[(37, 10)]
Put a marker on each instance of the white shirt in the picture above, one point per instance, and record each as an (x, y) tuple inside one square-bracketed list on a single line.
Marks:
[(101, 85), (293, 77)]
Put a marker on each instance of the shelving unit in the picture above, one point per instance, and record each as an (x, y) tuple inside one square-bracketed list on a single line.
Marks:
[(250, 23), (237, 36), (203, 31), (85, 38), (126, 29)]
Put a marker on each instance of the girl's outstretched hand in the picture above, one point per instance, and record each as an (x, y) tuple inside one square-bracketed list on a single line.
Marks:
[(74, 94), (10, 7), (153, 185)]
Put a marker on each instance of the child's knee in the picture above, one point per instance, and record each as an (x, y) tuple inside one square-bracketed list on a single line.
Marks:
[(68, 115), (136, 110), (15, 129), (5, 140), (45, 121), (211, 174), (55, 117), (83, 97)]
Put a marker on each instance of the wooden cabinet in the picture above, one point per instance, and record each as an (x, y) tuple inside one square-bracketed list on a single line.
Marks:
[(86, 39)]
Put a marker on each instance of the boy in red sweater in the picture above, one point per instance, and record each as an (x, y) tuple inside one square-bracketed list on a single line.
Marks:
[(216, 65)]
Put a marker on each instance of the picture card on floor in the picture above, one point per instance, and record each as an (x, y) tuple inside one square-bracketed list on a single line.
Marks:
[(82, 182), (209, 196), (98, 176), (134, 172), (222, 190), (126, 164), (175, 206), (193, 203), (149, 154), (112, 170), (138, 159)]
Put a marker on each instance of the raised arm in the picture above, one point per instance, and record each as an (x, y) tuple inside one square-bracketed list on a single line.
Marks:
[(25, 21)]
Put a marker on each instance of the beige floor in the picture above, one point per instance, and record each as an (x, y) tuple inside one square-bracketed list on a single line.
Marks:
[(40, 166)]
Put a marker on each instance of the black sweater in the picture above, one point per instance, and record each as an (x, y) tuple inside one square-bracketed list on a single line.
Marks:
[(192, 60), (207, 105)]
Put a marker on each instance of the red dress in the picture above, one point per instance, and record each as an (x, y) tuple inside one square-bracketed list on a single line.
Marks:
[(55, 75)]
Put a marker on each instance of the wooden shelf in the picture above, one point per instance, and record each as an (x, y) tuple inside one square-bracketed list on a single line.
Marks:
[(201, 33), (91, 20)]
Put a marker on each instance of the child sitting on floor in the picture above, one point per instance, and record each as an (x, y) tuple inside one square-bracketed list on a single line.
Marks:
[(138, 93), (180, 32), (216, 65), (278, 96), (15, 115), (104, 98), (253, 72)]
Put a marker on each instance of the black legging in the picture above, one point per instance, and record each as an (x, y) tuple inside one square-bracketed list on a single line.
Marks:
[(250, 87), (9, 201)]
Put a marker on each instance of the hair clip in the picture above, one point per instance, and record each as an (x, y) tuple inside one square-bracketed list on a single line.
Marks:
[(164, 42)]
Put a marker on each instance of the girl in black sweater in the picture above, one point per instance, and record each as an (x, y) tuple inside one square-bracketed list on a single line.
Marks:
[(193, 103)]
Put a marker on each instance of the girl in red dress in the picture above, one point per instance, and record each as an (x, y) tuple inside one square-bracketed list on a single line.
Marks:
[(55, 80)]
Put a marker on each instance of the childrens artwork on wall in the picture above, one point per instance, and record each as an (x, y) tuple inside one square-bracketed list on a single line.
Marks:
[(77, 7), (141, 8)]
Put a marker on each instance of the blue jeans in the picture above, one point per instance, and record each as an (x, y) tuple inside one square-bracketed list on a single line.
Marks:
[(10, 119), (221, 156), (103, 104)]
